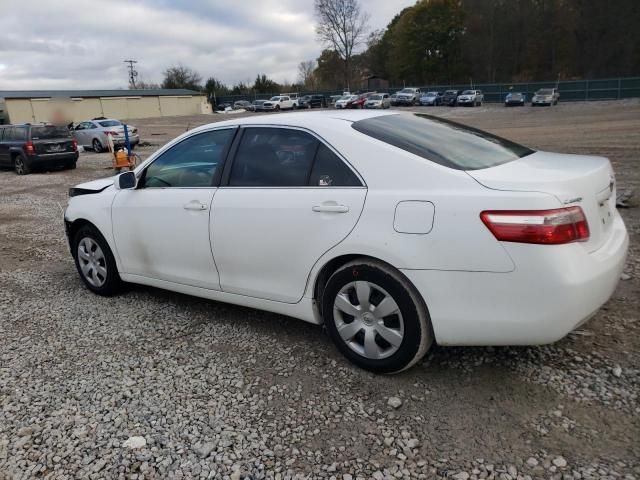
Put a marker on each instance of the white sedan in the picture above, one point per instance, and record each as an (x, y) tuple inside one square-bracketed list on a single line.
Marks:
[(394, 230)]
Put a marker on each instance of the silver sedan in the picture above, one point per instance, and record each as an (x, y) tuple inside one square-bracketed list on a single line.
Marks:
[(94, 134)]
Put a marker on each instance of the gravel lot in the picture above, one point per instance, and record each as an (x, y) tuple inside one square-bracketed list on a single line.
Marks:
[(152, 384)]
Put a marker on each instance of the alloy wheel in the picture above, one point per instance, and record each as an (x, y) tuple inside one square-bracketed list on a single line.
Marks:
[(368, 320), (18, 165), (93, 263)]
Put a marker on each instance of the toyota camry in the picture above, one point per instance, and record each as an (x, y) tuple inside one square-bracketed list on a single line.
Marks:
[(394, 230)]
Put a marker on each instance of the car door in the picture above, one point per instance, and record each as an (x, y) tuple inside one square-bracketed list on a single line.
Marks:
[(285, 200), (80, 133), (4, 147), (161, 228)]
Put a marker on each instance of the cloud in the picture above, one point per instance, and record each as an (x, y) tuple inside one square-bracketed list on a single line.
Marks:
[(70, 44)]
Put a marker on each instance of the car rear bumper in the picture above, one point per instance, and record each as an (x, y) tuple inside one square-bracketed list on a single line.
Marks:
[(552, 291), (52, 159), (466, 102)]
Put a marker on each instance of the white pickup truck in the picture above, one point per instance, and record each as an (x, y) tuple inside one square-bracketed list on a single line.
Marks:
[(279, 102)]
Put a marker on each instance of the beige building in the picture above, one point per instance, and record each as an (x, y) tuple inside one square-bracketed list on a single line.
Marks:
[(35, 106)]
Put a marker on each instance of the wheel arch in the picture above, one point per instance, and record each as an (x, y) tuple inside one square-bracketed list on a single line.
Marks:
[(72, 227)]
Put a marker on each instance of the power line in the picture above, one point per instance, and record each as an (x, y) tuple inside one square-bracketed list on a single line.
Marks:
[(133, 73)]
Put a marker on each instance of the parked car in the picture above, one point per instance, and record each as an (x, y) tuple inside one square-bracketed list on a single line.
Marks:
[(295, 98), (243, 104), (279, 102), (394, 99), (310, 101), (93, 134), (360, 100), (334, 98), (525, 246), (450, 97), (223, 106), (408, 96), (378, 100), (257, 105), (344, 101), (431, 99), (545, 96), (515, 98), (27, 147), (471, 98)]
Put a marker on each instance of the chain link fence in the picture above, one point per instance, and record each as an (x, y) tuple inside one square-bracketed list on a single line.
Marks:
[(570, 90)]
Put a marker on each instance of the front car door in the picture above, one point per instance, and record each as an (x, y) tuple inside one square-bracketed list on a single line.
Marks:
[(161, 228), (285, 200)]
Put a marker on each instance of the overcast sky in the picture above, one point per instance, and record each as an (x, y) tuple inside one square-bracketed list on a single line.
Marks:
[(81, 44)]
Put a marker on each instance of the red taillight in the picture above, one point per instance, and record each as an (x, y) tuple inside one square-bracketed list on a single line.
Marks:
[(28, 148), (75, 144), (111, 133), (549, 227)]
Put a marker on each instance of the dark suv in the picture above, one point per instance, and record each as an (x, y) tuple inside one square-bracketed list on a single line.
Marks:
[(25, 147), (310, 101)]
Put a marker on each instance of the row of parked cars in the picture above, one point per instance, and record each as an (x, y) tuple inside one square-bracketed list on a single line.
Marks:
[(26, 147), (410, 96)]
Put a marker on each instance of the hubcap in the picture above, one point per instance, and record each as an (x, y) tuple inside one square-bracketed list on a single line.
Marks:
[(19, 166), (368, 320), (92, 262)]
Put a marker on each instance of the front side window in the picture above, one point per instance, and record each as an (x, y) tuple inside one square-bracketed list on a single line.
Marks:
[(442, 141), (191, 163)]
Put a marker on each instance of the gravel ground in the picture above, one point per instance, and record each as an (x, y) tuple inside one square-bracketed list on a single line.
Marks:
[(152, 384)]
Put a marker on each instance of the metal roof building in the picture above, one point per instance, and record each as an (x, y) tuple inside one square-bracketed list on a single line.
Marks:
[(33, 106)]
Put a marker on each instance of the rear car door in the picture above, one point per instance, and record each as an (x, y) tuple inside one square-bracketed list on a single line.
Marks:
[(161, 228), (285, 200), (4, 148)]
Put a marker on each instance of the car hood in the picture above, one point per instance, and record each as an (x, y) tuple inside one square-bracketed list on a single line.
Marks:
[(97, 185)]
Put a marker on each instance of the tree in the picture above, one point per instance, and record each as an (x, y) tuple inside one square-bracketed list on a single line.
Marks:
[(142, 85), (329, 70), (264, 84), (306, 74), (181, 77), (215, 88), (342, 26)]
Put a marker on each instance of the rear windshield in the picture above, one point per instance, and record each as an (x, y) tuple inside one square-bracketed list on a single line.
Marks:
[(442, 141), (49, 131), (110, 123)]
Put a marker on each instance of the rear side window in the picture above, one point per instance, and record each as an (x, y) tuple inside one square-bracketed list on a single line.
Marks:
[(441, 141), (330, 171), (49, 131), (19, 133)]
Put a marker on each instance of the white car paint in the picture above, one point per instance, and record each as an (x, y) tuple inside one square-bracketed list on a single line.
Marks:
[(265, 247), (279, 102)]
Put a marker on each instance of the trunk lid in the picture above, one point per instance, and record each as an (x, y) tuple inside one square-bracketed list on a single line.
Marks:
[(580, 180)]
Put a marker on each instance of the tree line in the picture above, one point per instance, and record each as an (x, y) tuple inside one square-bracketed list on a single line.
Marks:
[(457, 41)]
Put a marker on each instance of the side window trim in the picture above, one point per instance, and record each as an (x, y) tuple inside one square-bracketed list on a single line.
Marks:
[(224, 183), (215, 182)]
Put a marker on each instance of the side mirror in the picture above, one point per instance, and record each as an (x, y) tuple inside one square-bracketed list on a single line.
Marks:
[(126, 181)]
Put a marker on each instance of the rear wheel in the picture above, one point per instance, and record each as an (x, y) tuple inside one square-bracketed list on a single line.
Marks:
[(97, 146), (375, 317), (71, 165), (21, 165), (95, 262)]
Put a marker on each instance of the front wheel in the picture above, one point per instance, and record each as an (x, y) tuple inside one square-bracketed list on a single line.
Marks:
[(375, 317), (95, 262), (97, 146)]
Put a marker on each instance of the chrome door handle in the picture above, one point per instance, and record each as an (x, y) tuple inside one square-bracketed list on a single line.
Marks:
[(331, 208), (195, 205)]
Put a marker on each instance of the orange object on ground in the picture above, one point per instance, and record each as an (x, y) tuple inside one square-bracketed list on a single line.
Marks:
[(122, 160)]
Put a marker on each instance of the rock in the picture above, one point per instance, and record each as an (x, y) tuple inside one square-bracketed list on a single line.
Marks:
[(532, 462), (347, 476), (378, 475), (394, 402), (559, 462), (617, 371), (461, 476), (135, 442), (624, 276)]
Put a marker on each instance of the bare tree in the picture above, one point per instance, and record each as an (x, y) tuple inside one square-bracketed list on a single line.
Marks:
[(342, 25), (181, 77), (307, 74)]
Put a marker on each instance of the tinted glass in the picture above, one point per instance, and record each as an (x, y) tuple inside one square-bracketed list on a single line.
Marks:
[(19, 133), (442, 141), (110, 123), (330, 171), (49, 131), (191, 163), (273, 157)]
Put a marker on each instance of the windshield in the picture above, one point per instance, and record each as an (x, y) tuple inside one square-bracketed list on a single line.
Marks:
[(468, 92), (450, 92), (545, 91), (432, 94), (49, 131), (442, 141), (516, 94), (375, 97), (110, 123), (407, 90), (275, 99)]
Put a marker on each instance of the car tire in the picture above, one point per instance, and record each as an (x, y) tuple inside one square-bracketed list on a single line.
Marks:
[(95, 262), (407, 323), (96, 145), (277, 108), (21, 165)]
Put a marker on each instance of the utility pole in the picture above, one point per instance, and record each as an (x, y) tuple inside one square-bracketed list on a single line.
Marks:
[(133, 73)]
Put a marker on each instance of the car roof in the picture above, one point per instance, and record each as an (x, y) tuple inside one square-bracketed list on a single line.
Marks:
[(310, 120)]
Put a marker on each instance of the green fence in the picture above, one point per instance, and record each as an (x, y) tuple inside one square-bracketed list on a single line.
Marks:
[(570, 90)]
